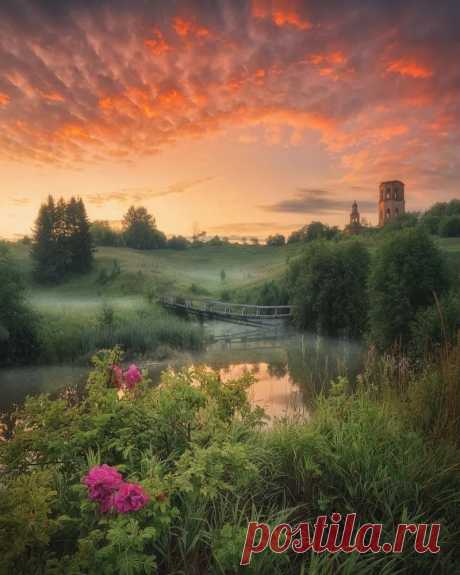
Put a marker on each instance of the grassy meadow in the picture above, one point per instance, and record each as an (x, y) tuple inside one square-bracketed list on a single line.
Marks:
[(195, 271), (116, 301)]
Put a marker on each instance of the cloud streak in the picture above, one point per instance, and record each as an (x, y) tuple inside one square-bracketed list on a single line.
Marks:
[(316, 202), (133, 195)]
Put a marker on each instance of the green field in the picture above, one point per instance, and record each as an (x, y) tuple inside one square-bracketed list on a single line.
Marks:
[(196, 271)]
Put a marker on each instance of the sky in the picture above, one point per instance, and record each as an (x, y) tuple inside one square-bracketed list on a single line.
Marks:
[(235, 117)]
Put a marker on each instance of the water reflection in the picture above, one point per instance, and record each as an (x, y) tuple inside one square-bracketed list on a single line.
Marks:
[(278, 395), (289, 371)]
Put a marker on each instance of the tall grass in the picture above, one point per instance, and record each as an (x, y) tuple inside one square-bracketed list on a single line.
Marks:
[(71, 336)]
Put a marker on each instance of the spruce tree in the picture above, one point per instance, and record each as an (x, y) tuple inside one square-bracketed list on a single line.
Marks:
[(62, 240), (44, 242), (80, 244)]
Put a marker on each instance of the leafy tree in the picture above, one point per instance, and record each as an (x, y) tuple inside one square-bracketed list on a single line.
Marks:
[(18, 325), (450, 226), (407, 273), (272, 293), (314, 231), (177, 243), (104, 235), (198, 239), (431, 222), (328, 286), (438, 209), (216, 241), (140, 230), (407, 220), (276, 240)]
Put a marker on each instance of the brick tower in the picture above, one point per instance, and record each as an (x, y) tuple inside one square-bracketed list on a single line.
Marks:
[(391, 202)]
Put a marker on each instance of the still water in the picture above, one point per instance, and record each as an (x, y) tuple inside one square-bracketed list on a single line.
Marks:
[(289, 369)]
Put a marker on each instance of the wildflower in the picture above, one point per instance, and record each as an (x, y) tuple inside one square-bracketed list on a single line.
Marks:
[(117, 375), (102, 482), (132, 376), (130, 497)]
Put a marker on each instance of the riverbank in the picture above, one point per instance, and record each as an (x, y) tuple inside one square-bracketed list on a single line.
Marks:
[(207, 465), (289, 369), (75, 336)]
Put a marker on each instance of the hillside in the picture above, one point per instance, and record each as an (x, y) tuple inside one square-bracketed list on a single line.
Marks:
[(196, 271)]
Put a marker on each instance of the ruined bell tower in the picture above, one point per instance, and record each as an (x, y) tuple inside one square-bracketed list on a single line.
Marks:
[(391, 203)]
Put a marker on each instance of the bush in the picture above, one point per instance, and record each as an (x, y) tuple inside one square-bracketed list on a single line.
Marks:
[(328, 286), (18, 324), (407, 272), (104, 235), (177, 243), (435, 326), (195, 447), (276, 240)]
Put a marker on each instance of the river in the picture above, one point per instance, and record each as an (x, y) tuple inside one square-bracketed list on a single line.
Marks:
[(289, 368)]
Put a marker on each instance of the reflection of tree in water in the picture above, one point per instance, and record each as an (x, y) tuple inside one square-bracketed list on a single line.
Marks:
[(313, 362), (277, 368)]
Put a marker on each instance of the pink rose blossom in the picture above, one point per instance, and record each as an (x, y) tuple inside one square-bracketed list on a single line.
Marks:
[(130, 497), (102, 482), (132, 376)]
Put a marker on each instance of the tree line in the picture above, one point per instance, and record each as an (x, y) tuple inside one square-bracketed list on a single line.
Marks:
[(404, 295)]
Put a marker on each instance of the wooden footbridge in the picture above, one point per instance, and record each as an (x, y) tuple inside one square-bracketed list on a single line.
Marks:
[(226, 311)]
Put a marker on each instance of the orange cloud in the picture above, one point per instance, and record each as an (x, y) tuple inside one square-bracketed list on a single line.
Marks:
[(187, 28), (390, 131), (135, 99), (281, 13), (335, 58), (328, 62), (74, 131), (158, 44), (410, 68), (4, 99), (281, 18), (52, 96)]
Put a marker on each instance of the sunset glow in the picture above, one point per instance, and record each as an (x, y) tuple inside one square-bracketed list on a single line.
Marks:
[(238, 118)]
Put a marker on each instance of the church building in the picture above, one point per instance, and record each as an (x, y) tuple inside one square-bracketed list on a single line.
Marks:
[(391, 202)]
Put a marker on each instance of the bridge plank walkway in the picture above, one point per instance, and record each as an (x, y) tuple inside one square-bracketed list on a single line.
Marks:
[(227, 311)]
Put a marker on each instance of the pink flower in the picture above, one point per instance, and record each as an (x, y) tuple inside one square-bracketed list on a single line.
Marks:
[(117, 375), (102, 482), (130, 497), (132, 376)]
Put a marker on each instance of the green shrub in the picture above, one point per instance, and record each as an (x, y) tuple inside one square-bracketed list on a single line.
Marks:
[(408, 272), (196, 446), (19, 325), (327, 285)]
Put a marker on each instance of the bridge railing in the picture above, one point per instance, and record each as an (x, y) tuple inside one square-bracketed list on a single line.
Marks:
[(227, 309)]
